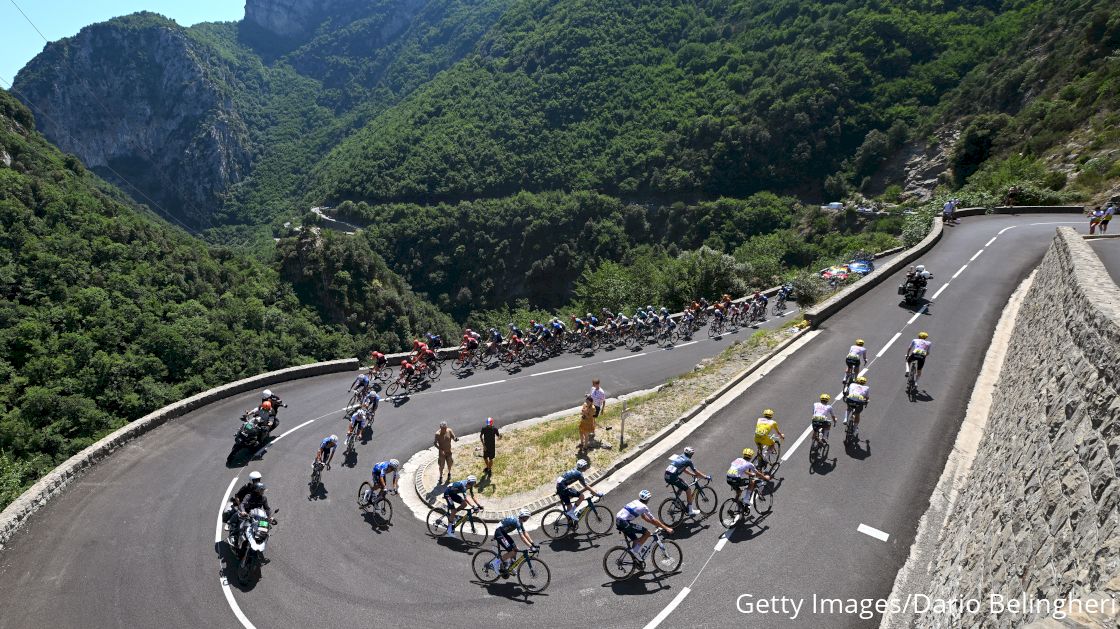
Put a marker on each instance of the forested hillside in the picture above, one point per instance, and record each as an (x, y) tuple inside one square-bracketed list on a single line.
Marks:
[(105, 314)]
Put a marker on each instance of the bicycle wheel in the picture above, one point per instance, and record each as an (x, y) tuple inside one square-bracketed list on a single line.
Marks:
[(473, 531), (714, 330), (632, 341), (775, 453), (487, 357), (534, 575), (384, 374), (393, 388), (350, 441), (763, 501), (730, 512), (672, 511), (437, 522), (555, 524), (365, 495), (706, 500), (459, 364), (435, 370), (619, 563), (383, 510), (667, 556), (483, 565), (599, 520)]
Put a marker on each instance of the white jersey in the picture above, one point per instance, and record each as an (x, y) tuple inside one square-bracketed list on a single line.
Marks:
[(858, 392), (741, 468), (858, 351), (920, 347), (632, 511), (824, 411)]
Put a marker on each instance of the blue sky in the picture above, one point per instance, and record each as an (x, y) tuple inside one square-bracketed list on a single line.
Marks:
[(62, 18)]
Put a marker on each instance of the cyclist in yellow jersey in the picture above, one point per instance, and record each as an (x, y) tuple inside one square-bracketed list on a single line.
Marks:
[(764, 430)]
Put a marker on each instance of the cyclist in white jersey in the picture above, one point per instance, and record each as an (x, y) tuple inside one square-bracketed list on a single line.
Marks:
[(823, 418), (917, 352), (742, 474), (857, 354), (857, 397), (624, 520)]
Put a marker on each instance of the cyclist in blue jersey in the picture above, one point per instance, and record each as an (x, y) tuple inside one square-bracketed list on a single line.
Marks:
[(456, 495), (507, 547), (682, 464), (326, 450), (381, 471), (566, 492)]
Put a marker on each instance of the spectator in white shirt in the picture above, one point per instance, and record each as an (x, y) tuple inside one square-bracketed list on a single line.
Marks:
[(598, 397)]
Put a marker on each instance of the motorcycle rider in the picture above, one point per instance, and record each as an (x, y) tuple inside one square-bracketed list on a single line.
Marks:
[(254, 498), (254, 480), (275, 403)]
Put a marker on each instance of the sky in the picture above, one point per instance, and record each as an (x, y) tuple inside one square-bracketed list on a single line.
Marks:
[(62, 18)]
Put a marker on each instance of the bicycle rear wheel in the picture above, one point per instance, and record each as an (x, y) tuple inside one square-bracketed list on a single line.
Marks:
[(730, 513), (599, 520), (393, 388), (365, 496), (437, 522), (482, 564), (666, 556), (473, 531), (619, 564), (534, 575), (555, 524), (672, 511), (706, 501)]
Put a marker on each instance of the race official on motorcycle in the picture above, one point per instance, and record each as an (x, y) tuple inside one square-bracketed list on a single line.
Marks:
[(274, 406), (253, 499)]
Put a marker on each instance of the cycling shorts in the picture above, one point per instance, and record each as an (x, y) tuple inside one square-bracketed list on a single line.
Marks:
[(505, 542), (454, 500), (764, 440), (676, 482), (920, 360), (852, 360), (566, 493), (856, 403), (821, 423), (630, 529), (737, 482)]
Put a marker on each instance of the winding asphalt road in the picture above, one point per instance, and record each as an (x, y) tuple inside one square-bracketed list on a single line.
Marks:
[(132, 542)]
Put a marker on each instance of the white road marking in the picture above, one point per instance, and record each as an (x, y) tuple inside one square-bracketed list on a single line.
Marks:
[(1059, 223), (976, 255), (295, 428), (721, 543), (989, 243), (873, 532), (1005, 229), (658, 619), (789, 453), (612, 360), (959, 271), (917, 314), (884, 350), (685, 344), (864, 372), (221, 509), (473, 386), (545, 373), (223, 581), (939, 291)]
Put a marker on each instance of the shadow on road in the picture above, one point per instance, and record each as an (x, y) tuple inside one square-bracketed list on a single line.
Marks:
[(575, 543), (318, 492), (376, 524), (748, 530), (858, 452), (510, 590), (640, 585)]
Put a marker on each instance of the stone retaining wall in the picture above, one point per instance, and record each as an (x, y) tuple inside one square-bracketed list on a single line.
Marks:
[(1037, 512)]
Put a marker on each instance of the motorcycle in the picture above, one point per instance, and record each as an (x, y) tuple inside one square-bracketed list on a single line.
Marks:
[(248, 437), (912, 293), (247, 536)]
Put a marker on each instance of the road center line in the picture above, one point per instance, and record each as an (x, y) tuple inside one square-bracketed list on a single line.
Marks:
[(657, 620), (685, 344), (959, 271), (472, 386), (612, 360), (989, 243), (917, 314), (976, 255), (721, 543), (789, 453), (1005, 229), (873, 532), (939, 291), (545, 373), (884, 350)]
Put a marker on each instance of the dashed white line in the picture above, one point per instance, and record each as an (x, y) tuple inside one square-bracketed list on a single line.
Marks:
[(721, 543), (789, 452), (989, 243), (959, 271), (545, 373), (681, 345), (873, 532), (1005, 229), (976, 255), (659, 618), (473, 386), (884, 350), (612, 360), (917, 314), (939, 291)]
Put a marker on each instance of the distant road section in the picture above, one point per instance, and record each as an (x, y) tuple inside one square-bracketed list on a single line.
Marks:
[(1109, 251)]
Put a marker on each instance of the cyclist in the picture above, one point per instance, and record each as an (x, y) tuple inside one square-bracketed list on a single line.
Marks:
[(558, 326), (418, 349), (408, 371), (682, 464), (380, 471), (471, 339), (856, 354), (515, 332), (326, 450), (822, 413), (357, 419), (578, 324), (785, 291), (495, 340), (507, 548), (565, 491), (635, 533), (537, 329), (857, 397), (917, 352), (370, 402), (764, 430), (760, 301), (742, 474), (456, 495), (435, 341), (379, 362), (607, 314), (360, 385), (592, 323)]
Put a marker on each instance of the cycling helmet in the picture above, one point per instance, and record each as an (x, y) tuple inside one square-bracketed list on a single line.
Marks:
[(524, 514), (604, 310), (510, 326), (689, 451), (748, 453), (266, 405), (255, 476), (261, 487), (582, 464), (664, 310), (334, 438), (923, 335), (493, 330), (768, 413), (859, 342), (861, 380), (587, 316), (266, 394), (825, 397), (920, 268), (532, 322), (472, 479), (395, 464), (649, 308), (645, 495)]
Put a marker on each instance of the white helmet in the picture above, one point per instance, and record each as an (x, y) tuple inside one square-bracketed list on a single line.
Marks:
[(581, 464), (395, 464), (255, 476), (920, 268), (334, 438), (266, 394), (524, 513), (645, 495), (472, 479)]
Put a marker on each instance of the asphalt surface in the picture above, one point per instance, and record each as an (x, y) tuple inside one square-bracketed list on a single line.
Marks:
[(132, 542), (1108, 249)]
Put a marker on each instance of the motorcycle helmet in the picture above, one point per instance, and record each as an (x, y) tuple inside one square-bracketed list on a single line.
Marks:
[(255, 476), (266, 394)]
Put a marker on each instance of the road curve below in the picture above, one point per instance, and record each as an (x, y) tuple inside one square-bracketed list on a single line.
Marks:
[(132, 543)]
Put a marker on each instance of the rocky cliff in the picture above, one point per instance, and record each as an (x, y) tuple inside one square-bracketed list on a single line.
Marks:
[(293, 18), (137, 96)]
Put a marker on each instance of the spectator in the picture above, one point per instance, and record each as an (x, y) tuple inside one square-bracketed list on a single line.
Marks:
[(1108, 212), (586, 424), (442, 442), (598, 397), (948, 211), (1095, 219), (488, 437), (1012, 196)]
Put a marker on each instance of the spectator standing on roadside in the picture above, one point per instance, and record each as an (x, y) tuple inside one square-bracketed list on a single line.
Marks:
[(598, 397), (442, 442), (1095, 219), (1108, 212), (586, 424), (488, 437)]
